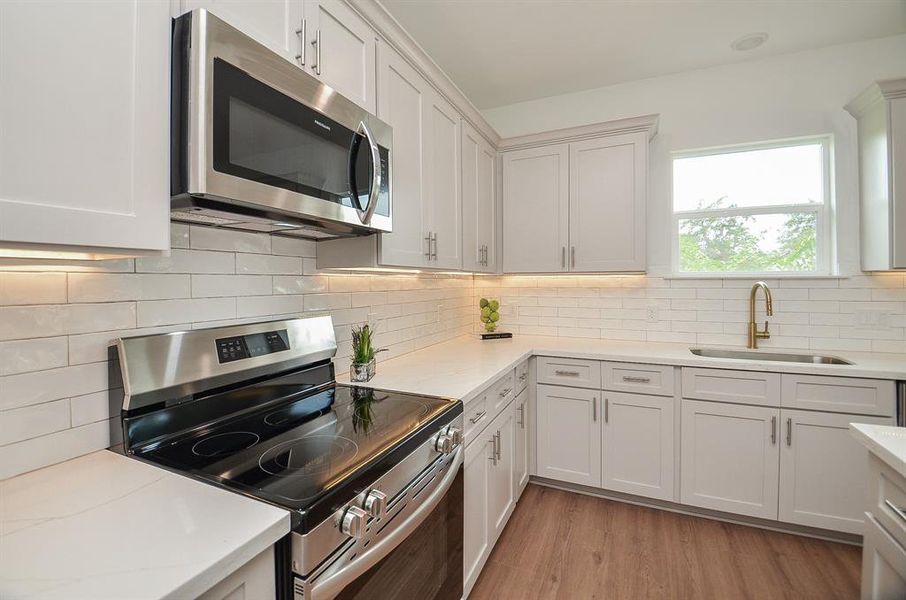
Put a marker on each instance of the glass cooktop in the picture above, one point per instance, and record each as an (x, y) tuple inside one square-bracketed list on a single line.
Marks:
[(308, 454)]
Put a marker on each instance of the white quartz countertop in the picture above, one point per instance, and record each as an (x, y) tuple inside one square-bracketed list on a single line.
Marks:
[(884, 441), (462, 367), (108, 526)]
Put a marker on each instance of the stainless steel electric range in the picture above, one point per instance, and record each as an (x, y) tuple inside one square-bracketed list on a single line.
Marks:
[(373, 479)]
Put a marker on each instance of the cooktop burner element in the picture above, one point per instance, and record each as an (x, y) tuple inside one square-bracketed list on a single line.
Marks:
[(222, 444), (309, 455)]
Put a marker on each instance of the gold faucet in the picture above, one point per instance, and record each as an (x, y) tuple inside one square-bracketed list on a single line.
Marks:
[(754, 333)]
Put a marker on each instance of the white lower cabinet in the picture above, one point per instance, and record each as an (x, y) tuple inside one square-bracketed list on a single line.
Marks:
[(255, 580), (569, 435), (521, 455), (638, 444), (489, 491), (823, 470), (883, 564), (730, 457)]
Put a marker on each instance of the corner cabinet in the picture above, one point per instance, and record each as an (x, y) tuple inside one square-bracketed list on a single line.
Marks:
[(580, 206), (479, 209), (108, 192)]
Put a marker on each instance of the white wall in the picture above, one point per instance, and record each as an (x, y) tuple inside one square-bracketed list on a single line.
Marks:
[(56, 323), (786, 96)]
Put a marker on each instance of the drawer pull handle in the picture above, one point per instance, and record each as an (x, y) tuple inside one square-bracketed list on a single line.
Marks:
[(594, 410), (630, 379), (773, 430), (899, 511), (566, 373), (523, 376), (789, 432), (505, 392), (522, 416), (478, 417)]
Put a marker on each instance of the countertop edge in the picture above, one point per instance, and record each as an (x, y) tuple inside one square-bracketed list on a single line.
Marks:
[(864, 434)]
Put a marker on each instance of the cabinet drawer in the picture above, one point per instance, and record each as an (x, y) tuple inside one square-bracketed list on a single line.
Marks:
[(632, 377), (883, 564), (501, 393), (887, 498), (740, 387), (521, 376), (476, 416), (571, 372), (839, 394)]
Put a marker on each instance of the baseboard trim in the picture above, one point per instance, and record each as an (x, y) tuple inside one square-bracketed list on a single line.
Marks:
[(812, 532)]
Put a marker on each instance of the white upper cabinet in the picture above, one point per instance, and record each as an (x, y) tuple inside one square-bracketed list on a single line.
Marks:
[(341, 50), (275, 23), (578, 205), (881, 114), (444, 201), (607, 193), (479, 209), (536, 210), (84, 107), (403, 103)]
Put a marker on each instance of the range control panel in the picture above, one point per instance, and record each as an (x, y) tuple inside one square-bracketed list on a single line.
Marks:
[(251, 345)]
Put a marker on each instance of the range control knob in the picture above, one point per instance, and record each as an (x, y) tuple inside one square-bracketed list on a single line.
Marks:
[(353, 522), (444, 443), (376, 504), (456, 434)]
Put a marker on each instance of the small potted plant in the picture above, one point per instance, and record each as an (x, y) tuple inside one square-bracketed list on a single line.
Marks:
[(363, 351)]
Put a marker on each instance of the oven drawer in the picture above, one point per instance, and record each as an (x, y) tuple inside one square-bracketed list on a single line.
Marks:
[(573, 372), (641, 378)]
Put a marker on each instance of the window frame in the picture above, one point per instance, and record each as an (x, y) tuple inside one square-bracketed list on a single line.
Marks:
[(824, 211)]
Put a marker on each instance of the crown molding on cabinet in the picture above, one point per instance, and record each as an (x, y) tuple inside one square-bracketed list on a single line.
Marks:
[(393, 33), (646, 124), (886, 89)]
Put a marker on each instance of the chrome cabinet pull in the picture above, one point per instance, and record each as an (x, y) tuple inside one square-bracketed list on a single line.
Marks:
[(523, 376), (522, 416), (478, 417), (630, 379), (773, 430), (594, 409), (899, 511), (493, 457), (566, 373), (606, 409), (505, 392), (434, 253), (497, 444), (317, 45), (789, 432), (563, 257), (301, 33), (428, 241), (572, 257)]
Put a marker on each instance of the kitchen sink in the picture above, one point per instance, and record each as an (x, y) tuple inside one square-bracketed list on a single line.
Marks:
[(818, 359)]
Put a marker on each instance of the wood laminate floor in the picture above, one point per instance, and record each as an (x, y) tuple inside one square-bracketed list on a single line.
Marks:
[(571, 546)]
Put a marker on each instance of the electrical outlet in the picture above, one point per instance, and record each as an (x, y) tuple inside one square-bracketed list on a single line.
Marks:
[(440, 312), (652, 313)]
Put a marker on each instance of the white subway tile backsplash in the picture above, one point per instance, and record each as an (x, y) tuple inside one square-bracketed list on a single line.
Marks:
[(32, 288), (165, 312), (207, 286), (88, 318), (287, 246), (33, 421), (53, 448), (259, 306), (297, 284), (112, 287), (211, 238), (188, 261), (90, 408), (36, 387), (266, 264), (92, 347), (37, 354)]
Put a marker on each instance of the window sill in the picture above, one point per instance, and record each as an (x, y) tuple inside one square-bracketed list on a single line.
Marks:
[(751, 276)]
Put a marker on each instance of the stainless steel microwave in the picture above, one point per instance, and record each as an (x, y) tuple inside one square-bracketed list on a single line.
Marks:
[(260, 145)]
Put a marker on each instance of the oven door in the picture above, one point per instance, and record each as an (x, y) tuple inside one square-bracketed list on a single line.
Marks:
[(421, 556), (265, 135)]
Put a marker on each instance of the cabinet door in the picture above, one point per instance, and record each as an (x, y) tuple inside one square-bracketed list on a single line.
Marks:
[(638, 444), (403, 104), (255, 579), (607, 191), (501, 490), (521, 466), (476, 513), (444, 182), (479, 211), (730, 457), (84, 106), (275, 23), (883, 564), (823, 470), (536, 210), (341, 50), (569, 435)]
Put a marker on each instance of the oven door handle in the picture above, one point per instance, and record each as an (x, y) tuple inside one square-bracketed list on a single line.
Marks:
[(333, 584), (376, 177)]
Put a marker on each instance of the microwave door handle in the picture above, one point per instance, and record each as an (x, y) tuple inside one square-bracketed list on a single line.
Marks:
[(365, 215)]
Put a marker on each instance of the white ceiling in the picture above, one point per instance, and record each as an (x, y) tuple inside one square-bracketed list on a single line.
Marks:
[(505, 51)]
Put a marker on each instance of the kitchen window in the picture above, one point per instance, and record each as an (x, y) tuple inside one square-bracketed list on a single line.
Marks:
[(753, 209)]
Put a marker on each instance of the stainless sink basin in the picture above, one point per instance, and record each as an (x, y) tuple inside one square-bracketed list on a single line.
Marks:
[(818, 359)]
